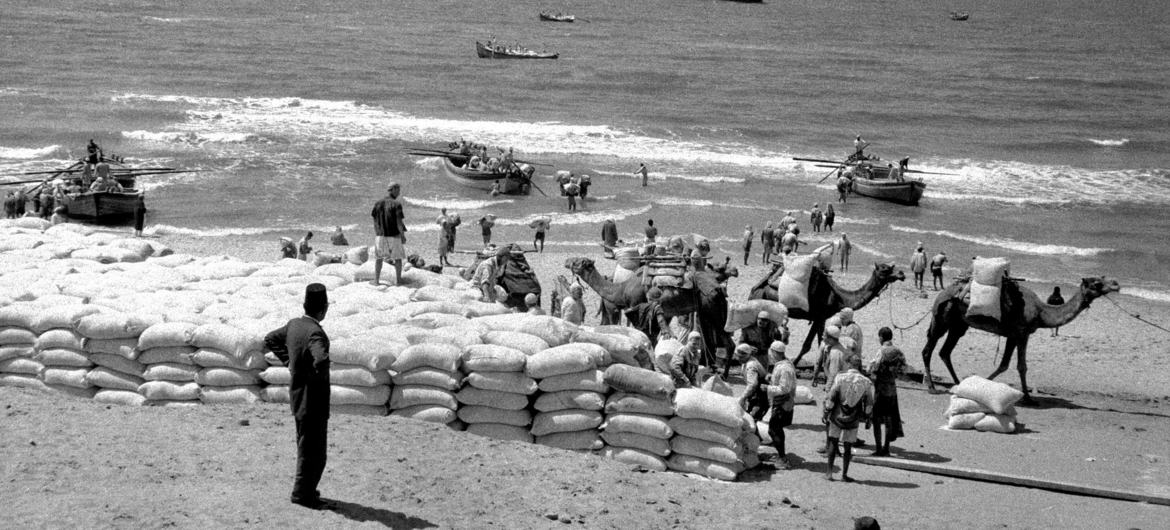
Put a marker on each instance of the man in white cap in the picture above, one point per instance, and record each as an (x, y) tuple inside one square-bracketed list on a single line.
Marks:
[(532, 302), (755, 375), (684, 364), (389, 233), (303, 346), (761, 334), (849, 328), (918, 265), (782, 394), (572, 308)]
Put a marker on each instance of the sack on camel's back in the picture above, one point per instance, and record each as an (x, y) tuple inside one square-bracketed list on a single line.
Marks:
[(986, 287), (792, 289), (996, 396), (743, 314)]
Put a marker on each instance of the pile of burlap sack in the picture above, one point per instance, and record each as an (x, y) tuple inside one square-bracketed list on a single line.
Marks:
[(126, 321), (983, 405)]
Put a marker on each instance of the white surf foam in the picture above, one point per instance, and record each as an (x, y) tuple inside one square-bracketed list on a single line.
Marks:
[(1110, 143), (1147, 294), (1010, 244), (456, 204), (27, 153)]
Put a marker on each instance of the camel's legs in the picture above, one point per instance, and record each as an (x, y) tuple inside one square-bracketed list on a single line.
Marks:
[(948, 346), (932, 335), (814, 330), (1022, 367), (1008, 349)]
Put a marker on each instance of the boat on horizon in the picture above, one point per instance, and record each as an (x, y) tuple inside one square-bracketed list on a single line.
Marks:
[(546, 16), (494, 50), (956, 15)]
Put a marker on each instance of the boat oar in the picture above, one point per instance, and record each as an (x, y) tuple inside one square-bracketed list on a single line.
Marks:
[(932, 173), (532, 163), (835, 169), (834, 162)]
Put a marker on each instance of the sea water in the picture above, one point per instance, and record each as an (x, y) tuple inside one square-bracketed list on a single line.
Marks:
[(1048, 117)]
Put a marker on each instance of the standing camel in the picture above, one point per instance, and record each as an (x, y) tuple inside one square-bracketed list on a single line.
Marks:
[(826, 298), (1023, 313)]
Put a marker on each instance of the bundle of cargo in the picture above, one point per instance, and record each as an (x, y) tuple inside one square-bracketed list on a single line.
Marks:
[(494, 400), (111, 341), (425, 378), (636, 429), (61, 349), (571, 418), (17, 347), (713, 436), (985, 288), (983, 405), (166, 355)]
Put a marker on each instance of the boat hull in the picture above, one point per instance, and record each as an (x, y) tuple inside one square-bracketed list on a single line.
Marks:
[(490, 52), (907, 192), (554, 18), (102, 206), (482, 180)]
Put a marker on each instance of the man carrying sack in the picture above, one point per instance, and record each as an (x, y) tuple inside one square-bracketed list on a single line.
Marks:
[(302, 345)]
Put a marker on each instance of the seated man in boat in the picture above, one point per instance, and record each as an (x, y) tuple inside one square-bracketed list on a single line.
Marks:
[(493, 164), (473, 163), (106, 184)]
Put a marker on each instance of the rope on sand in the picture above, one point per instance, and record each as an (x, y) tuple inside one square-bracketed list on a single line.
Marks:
[(1135, 315), (901, 329)]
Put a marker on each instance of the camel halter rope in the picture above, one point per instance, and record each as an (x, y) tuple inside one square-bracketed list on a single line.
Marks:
[(902, 329), (1135, 316)]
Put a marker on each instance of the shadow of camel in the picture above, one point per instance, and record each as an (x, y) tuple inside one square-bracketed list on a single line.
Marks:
[(389, 519)]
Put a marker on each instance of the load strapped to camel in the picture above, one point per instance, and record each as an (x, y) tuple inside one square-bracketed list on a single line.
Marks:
[(986, 288), (792, 288), (517, 278)]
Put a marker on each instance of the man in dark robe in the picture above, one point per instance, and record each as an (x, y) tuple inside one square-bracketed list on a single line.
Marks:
[(303, 346)]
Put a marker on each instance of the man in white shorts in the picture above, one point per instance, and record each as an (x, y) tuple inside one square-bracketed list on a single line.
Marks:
[(848, 404), (389, 234)]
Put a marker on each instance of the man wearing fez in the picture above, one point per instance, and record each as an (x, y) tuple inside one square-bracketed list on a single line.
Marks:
[(302, 345)]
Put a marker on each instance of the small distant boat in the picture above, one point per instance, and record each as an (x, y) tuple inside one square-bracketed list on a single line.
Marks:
[(955, 15), (557, 17), (492, 50)]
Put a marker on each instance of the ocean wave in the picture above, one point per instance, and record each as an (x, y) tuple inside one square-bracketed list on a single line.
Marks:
[(162, 19), (456, 204), (1156, 295), (1109, 143), (193, 138), (169, 230), (703, 203), (1010, 244), (27, 153)]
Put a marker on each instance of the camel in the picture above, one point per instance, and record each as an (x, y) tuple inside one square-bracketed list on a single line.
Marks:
[(707, 298), (826, 298), (1023, 313)]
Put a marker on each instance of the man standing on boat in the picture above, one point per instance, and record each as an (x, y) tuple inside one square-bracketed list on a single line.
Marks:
[(390, 233), (859, 148)]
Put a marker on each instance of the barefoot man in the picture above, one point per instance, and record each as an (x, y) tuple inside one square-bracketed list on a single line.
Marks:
[(390, 234), (848, 404)]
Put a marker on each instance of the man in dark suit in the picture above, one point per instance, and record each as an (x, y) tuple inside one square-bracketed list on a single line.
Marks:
[(303, 346)]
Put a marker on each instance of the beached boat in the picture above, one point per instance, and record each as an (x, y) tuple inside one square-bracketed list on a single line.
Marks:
[(102, 206), (510, 182), (557, 17), (875, 182), (492, 50), (955, 15)]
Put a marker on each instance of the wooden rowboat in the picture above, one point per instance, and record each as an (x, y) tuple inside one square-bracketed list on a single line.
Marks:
[(557, 18), (955, 15), (499, 51), (102, 206), (511, 183), (875, 182)]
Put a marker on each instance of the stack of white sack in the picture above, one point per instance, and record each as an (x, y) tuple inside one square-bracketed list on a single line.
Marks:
[(61, 349), (572, 372), (229, 360), (636, 429), (713, 436), (359, 371), (987, 276), (425, 377), (625, 344), (166, 354), (494, 401), (111, 341), (17, 346), (983, 405)]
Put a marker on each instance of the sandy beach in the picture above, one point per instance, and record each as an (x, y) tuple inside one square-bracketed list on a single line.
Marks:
[(1100, 422)]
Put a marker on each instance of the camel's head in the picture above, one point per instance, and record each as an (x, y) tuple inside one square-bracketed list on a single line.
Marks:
[(578, 265), (1099, 286), (887, 273)]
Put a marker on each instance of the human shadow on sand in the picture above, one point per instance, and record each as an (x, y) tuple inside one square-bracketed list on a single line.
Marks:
[(916, 456), (389, 519)]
